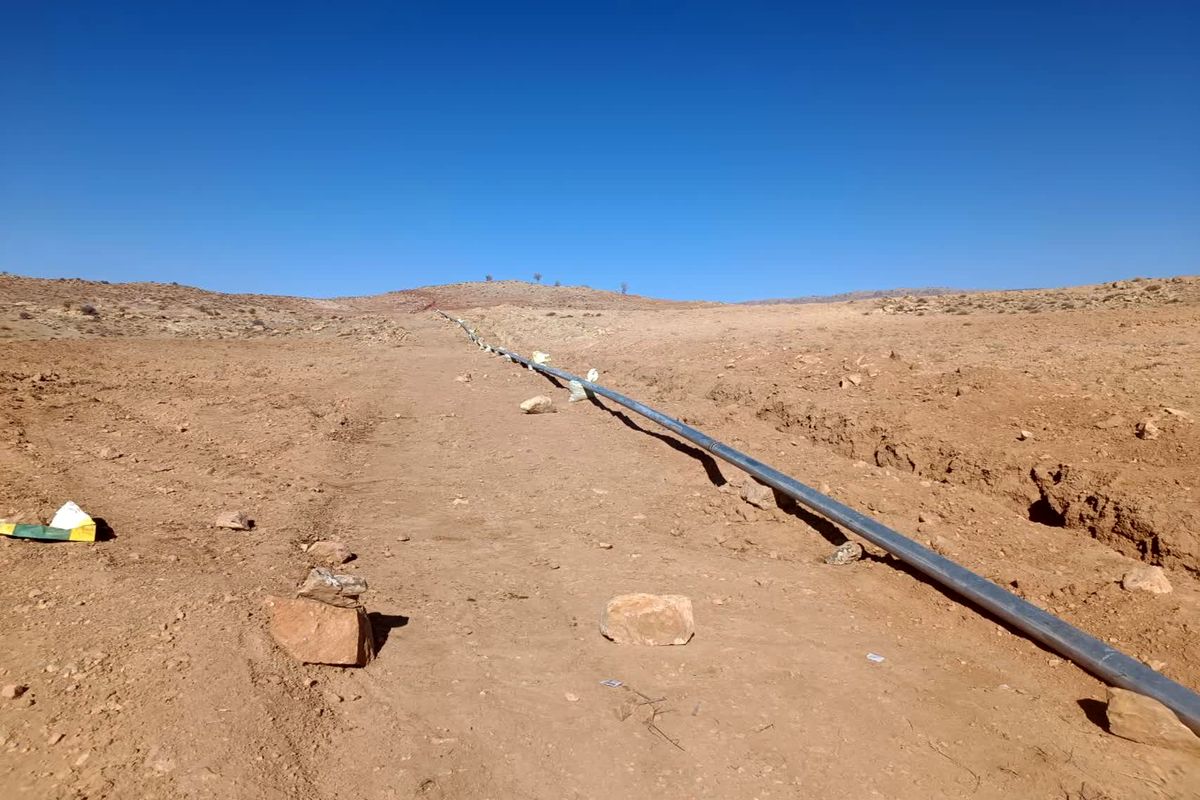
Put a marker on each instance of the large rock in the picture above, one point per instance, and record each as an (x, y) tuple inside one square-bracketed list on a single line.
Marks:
[(1146, 429), (329, 552), (1146, 579), (1144, 719), (234, 521), (336, 590), (648, 619), (318, 633), (756, 494), (538, 405)]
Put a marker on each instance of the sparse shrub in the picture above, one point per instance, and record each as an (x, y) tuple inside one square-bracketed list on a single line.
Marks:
[(89, 310), (624, 287), (488, 277), (25, 315), (537, 276), (558, 283)]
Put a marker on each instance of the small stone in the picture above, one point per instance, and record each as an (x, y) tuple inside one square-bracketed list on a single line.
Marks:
[(648, 619), (853, 379), (1024, 436), (329, 551), (108, 453), (336, 590), (1115, 421), (55, 738), (318, 633), (13, 690), (1146, 429), (961, 390), (1146, 579), (464, 378), (538, 405), (1144, 719), (234, 521), (604, 545), (571, 697), (758, 495), (847, 553)]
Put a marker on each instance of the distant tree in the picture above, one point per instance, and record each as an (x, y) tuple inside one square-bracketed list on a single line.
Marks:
[(537, 276), (488, 277), (558, 283), (624, 287)]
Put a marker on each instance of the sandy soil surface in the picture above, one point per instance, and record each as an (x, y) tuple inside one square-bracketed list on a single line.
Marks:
[(1006, 436)]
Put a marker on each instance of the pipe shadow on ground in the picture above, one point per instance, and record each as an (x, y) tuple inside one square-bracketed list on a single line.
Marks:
[(707, 461)]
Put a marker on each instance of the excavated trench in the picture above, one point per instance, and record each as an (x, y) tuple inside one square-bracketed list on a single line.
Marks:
[(1056, 495)]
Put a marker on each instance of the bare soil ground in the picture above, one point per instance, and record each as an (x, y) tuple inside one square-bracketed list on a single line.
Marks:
[(480, 531)]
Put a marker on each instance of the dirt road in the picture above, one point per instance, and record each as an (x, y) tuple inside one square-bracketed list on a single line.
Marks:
[(491, 541)]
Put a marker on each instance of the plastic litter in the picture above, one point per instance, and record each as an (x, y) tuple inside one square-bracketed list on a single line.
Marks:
[(612, 683), (878, 659), (70, 524)]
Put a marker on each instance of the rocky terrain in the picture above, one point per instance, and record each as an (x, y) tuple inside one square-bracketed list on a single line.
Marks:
[(1056, 456)]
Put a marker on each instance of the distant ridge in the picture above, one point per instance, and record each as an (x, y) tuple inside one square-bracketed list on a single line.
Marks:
[(869, 294)]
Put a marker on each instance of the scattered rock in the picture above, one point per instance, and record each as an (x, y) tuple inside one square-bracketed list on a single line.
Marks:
[(13, 690), (758, 495), (1024, 436), (234, 521), (1146, 429), (464, 378), (853, 379), (1115, 421), (1146, 579), (1175, 412), (329, 552), (847, 553), (336, 590), (108, 453), (648, 619), (604, 545), (319, 633), (961, 390), (538, 405), (1144, 719)]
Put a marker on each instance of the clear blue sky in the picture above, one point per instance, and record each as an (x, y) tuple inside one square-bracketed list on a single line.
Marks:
[(727, 151)]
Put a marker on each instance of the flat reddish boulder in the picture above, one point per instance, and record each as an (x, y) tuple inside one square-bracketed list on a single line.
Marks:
[(648, 619), (318, 633)]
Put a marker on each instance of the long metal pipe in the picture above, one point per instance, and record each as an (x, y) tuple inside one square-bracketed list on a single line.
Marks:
[(1107, 663)]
